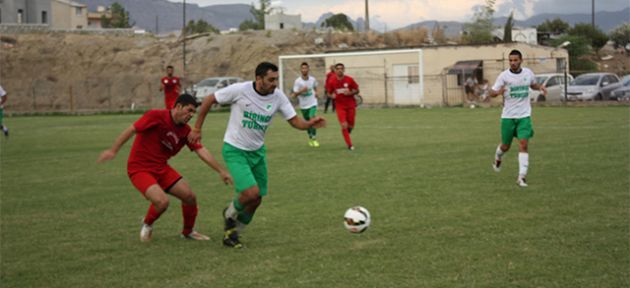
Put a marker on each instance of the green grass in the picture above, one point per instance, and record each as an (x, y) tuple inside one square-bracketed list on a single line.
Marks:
[(440, 216)]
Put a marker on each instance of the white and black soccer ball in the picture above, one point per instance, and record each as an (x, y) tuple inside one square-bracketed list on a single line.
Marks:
[(357, 219)]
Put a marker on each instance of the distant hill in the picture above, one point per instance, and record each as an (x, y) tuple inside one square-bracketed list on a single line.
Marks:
[(170, 15), (606, 21)]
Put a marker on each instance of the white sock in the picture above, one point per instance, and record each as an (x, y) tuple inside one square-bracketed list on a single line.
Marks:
[(231, 211), (499, 153), (523, 164)]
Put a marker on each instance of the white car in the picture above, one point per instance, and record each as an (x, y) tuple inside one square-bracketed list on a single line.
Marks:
[(210, 85), (554, 83), (593, 86)]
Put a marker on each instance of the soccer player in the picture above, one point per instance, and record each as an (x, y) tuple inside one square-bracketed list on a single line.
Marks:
[(343, 88), (514, 84), (3, 99), (305, 89), (170, 85), (160, 134), (331, 74), (253, 105)]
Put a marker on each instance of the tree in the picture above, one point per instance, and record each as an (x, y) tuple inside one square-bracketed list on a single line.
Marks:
[(119, 17), (621, 35), (507, 29), (339, 22), (596, 37), (258, 23), (555, 26), (480, 30), (200, 26), (577, 49)]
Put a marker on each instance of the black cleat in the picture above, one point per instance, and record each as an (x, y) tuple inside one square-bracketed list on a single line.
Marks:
[(230, 239)]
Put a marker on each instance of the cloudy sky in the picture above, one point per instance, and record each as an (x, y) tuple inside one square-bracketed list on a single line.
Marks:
[(399, 13)]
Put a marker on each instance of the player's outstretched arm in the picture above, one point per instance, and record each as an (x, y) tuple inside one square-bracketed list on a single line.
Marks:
[(493, 93), (315, 122), (195, 135), (206, 157), (540, 87), (110, 153)]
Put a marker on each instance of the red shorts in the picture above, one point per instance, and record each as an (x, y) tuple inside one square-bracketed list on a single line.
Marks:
[(142, 180), (346, 114)]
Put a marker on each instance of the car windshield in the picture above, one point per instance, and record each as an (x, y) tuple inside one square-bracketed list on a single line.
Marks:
[(586, 80), (208, 83), (541, 79)]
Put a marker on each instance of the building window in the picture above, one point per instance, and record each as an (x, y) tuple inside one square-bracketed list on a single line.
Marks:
[(79, 10), (281, 26), (19, 16), (44, 17)]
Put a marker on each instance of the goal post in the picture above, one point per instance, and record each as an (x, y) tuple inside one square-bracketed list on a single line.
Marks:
[(387, 77)]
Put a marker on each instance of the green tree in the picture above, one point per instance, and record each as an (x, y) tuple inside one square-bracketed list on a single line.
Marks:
[(119, 17), (579, 47), (507, 29), (259, 16), (339, 22), (621, 35), (480, 30), (555, 26), (200, 26), (596, 37)]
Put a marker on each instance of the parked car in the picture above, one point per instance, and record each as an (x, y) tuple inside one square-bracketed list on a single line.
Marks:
[(554, 83), (593, 86), (208, 86), (622, 93)]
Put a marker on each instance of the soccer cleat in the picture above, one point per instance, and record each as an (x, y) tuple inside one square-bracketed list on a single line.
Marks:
[(315, 143), (310, 143), (145, 233), (230, 239), (520, 181), (194, 235), (496, 165), (351, 148), (5, 130)]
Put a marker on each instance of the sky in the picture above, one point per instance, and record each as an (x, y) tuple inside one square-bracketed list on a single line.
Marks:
[(399, 13)]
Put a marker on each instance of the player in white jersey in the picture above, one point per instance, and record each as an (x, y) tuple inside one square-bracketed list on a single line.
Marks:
[(514, 84), (305, 89), (3, 99), (253, 105)]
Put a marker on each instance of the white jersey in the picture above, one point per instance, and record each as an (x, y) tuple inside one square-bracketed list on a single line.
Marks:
[(2, 92), (516, 97), (251, 114), (306, 99)]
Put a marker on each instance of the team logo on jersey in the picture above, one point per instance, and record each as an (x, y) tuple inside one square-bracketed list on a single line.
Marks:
[(268, 107)]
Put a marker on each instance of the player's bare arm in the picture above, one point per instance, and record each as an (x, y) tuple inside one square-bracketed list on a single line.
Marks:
[(207, 157), (110, 153), (537, 86), (195, 135), (493, 93), (315, 122)]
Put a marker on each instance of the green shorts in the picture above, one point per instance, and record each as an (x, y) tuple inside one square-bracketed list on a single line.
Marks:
[(309, 113), (248, 168), (520, 128)]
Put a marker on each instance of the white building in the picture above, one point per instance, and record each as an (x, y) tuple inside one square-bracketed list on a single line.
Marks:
[(523, 35), (281, 21)]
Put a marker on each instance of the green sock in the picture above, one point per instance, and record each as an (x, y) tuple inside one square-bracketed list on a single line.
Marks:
[(245, 217)]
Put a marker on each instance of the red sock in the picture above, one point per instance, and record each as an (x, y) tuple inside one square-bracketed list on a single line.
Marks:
[(346, 136), (152, 215), (190, 214)]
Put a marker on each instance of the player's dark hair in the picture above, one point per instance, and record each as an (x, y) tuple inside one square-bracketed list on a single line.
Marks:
[(517, 53), (169, 66), (304, 64), (339, 64), (264, 67), (186, 99)]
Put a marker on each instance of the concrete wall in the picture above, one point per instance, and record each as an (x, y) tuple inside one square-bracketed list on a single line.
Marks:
[(283, 22), (68, 15), (31, 11)]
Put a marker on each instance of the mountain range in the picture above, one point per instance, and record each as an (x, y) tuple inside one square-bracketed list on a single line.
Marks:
[(162, 16)]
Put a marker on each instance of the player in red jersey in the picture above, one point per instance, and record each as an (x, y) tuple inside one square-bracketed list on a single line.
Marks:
[(343, 88), (331, 74), (160, 134), (170, 85)]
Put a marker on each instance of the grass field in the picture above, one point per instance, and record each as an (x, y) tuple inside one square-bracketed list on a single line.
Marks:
[(441, 217)]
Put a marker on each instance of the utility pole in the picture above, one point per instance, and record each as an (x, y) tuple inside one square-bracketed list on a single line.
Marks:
[(367, 17), (184, 39), (593, 14)]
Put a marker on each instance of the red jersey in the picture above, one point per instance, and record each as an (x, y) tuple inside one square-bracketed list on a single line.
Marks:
[(338, 87), (329, 76), (158, 139), (171, 90)]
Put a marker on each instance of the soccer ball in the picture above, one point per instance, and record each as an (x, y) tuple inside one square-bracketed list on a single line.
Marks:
[(356, 219)]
